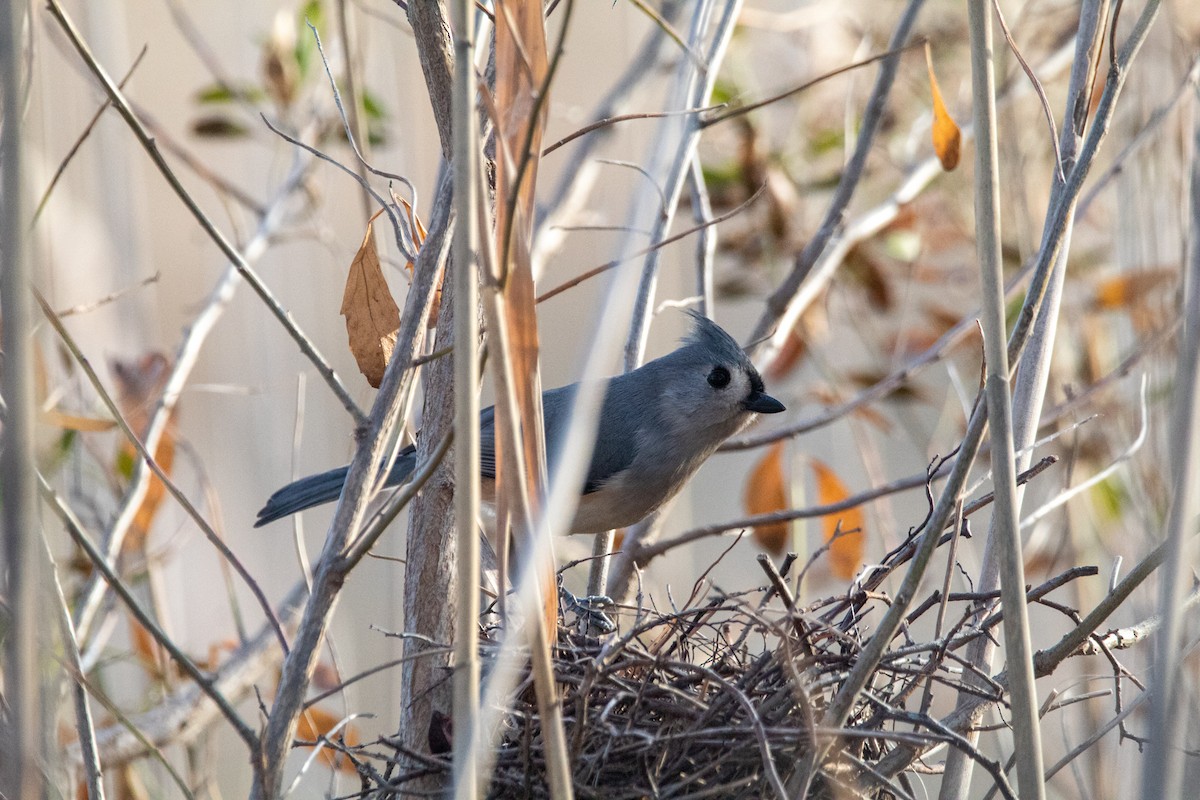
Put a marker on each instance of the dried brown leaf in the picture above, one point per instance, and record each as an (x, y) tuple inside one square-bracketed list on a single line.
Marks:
[(372, 316)]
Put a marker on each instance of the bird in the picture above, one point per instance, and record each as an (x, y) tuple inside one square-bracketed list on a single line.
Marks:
[(657, 425)]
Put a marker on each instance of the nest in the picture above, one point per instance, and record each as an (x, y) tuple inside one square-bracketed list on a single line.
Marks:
[(725, 698)]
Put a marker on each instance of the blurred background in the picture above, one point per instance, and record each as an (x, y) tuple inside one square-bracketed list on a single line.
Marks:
[(129, 268)]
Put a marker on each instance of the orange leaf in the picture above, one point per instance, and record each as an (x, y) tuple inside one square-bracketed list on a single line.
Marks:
[(845, 552), (139, 385), (372, 316), (947, 138), (314, 723), (766, 491), (1130, 288), (75, 422)]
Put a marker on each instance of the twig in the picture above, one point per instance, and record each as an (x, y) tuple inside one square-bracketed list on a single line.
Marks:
[(84, 726), (129, 725), (1064, 497), (594, 271), (787, 302), (87, 131), (405, 238), (148, 458), (739, 110), (607, 121), (1037, 87), (645, 553), (75, 529), (227, 249)]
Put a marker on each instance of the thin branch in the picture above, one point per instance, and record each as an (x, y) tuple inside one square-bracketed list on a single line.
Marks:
[(85, 728), (87, 131), (604, 123), (157, 469), (594, 271), (81, 538), (740, 110), (1037, 87), (148, 144), (644, 553), (787, 302)]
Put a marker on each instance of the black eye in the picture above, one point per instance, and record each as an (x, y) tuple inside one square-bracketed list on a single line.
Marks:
[(718, 378)]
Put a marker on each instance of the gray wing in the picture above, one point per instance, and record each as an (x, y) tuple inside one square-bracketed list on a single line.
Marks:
[(612, 454)]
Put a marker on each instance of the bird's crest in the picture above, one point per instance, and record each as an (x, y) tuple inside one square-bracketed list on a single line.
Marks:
[(713, 338)]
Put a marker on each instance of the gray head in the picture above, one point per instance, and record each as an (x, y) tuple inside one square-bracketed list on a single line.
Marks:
[(711, 385)]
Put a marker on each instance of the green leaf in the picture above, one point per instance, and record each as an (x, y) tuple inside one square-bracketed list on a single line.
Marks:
[(219, 127), (1109, 497), (125, 464), (219, 93), (372, 107), (312, 13), (722, 92)]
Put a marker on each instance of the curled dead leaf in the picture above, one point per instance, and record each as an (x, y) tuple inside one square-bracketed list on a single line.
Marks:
[(947, 138), (372, 316)]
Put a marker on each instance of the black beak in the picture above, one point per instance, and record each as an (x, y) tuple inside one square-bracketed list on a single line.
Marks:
[(762, 403)]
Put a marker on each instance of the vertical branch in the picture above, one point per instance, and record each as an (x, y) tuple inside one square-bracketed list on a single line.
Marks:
[(466, 400), (85, 728), (1027, 738), (331, 570), (524, 72), (1034, 368), (706, 238), (435, 52), (21, 728), (1162, 772), (431, 594)]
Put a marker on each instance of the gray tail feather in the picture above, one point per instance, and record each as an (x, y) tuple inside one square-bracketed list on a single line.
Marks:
[(304, 493), (324, 488)]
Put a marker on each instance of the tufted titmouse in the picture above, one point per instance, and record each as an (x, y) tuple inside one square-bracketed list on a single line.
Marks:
[(657, 426)]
